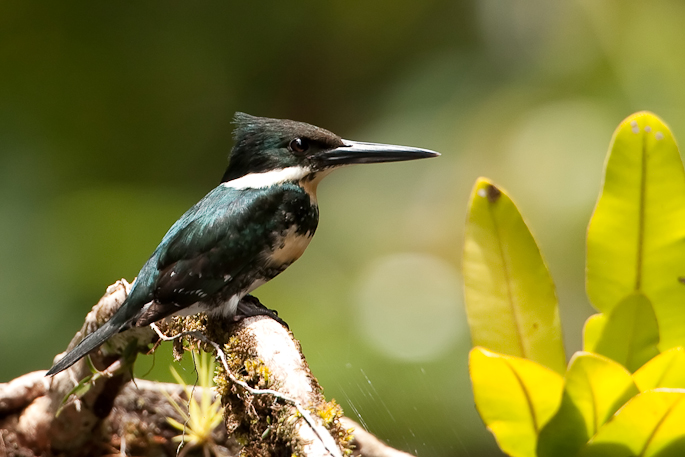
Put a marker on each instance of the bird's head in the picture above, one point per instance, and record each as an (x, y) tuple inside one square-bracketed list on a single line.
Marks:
[(267, 145)]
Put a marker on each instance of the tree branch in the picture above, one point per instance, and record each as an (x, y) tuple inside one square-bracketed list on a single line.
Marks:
[(274, 405)]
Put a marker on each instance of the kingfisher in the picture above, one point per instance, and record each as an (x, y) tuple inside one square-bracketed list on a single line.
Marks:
[(244, 232)]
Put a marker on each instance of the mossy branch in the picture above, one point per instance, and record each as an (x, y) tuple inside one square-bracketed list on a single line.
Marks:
[(274, 405)]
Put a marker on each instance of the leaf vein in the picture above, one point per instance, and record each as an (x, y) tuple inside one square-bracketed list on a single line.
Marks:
[(507, 278), (658, 425)]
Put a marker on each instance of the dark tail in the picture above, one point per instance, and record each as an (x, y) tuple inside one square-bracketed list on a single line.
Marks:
[(89, 343)]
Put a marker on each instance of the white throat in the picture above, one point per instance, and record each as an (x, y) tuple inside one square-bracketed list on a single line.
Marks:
[(268, 179), (275, 177)]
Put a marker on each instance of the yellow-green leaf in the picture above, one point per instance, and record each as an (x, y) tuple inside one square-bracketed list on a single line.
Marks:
[(635, 237), (79, 391), (515, 398), (592, 331), (651, 424), (511, 303), (629, 334), (595, 389), (665, 370)]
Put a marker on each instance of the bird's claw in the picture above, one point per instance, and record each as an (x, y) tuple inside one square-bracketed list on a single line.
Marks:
[(250, 306)]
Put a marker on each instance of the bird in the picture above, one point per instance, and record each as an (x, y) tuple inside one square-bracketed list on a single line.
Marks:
[(244, 232)]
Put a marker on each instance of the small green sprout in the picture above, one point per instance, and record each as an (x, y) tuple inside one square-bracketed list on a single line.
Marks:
[(202, 417)]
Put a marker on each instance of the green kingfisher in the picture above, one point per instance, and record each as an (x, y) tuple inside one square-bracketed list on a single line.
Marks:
[(244, 232)]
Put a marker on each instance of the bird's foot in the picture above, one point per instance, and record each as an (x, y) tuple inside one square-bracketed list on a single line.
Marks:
[(250, 306)]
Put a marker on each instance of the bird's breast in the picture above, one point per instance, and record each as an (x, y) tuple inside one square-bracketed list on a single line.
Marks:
[(289, 246)]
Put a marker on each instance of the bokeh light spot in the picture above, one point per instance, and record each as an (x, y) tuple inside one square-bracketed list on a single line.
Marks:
[(409, 306), (560, 147)]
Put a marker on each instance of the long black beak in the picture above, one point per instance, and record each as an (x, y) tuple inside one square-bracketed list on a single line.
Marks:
[(357, 152)]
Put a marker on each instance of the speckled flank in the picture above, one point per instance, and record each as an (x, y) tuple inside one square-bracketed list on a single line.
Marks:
[(290, 248)]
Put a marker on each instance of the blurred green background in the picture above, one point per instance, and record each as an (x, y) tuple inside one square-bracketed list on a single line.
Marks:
[(115, 118)]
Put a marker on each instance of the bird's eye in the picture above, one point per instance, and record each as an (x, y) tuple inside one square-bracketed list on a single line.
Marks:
[(299, 145)]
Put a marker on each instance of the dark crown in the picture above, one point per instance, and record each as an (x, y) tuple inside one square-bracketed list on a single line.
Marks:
[(261, 143)]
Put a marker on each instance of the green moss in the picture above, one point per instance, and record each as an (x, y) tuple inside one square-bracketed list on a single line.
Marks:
[(260, 423), (331, 412)]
